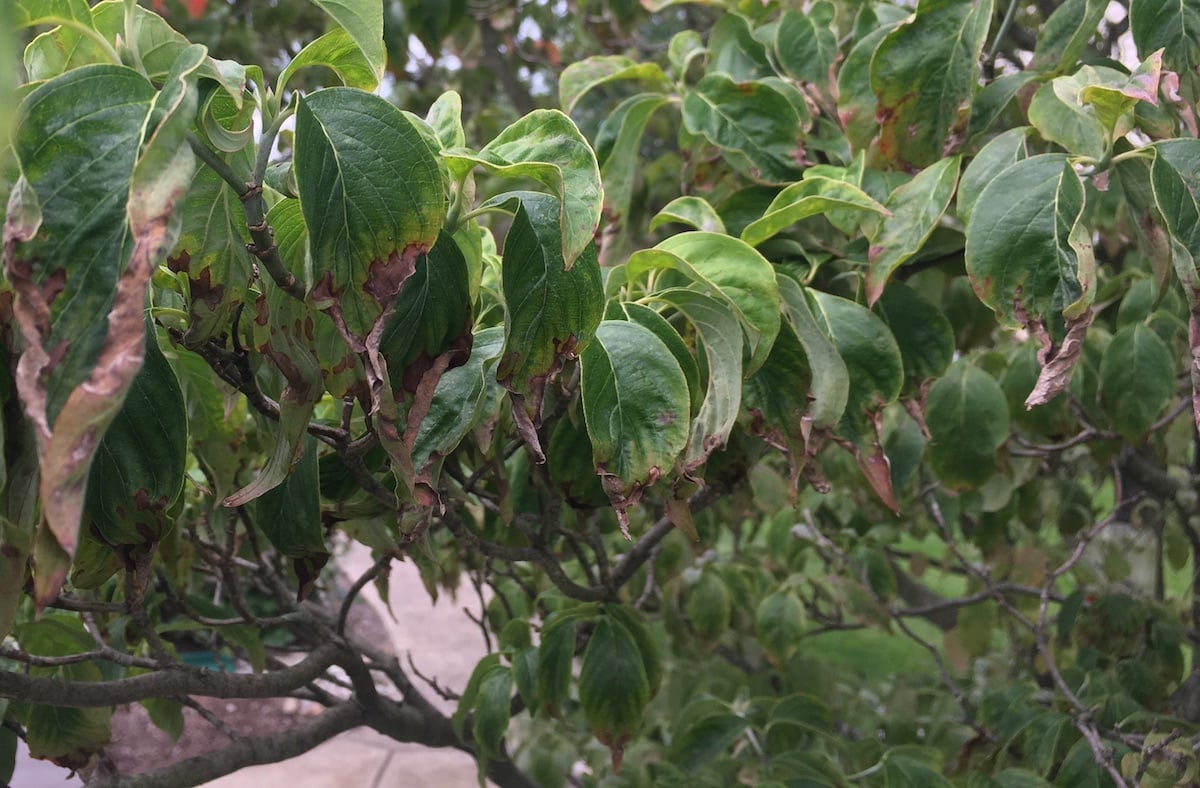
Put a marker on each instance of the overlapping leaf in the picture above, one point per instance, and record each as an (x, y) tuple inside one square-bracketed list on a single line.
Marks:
[(967, 416), (1046, 266), (915, 209), (810, 197), (578, 79), (547, 147), (732, 271), (637, 408), (924, 73)]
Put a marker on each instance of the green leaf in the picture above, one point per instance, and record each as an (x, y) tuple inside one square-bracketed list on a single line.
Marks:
[(457, 401), (751, 122), (991, 102), (734, 52), (547, 147), (856, 99), (374, 200), (1001, 152), (777, 400), (290, 517), (211, 251), (647, 645), (431, 316), (1176, 203), (613, 687), (470, 693), (916, 208), (492, 713), (1061, 41), (924, 73), (637, 407), (138, 472), (812, 196), (551, 311), (445, 118), (902, 771), (620, 168), (718, 330), (363, 21), (1047, 267), (340, 53), (967, 416), (524, 671), (1137, 379), (731, 270), (705, 740), (578, 79), (28, 13), (1170, 25), (779, 624), (556, 654), (830, 378), (709, 608), (922, 332), (695, 212), (1059, 114), (166, 714), (806, 44), (873, 361), (679, 349)]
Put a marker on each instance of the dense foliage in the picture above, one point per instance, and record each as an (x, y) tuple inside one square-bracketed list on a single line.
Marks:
[(809, 389)]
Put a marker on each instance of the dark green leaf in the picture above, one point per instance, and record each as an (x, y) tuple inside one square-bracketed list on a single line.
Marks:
[(922, 332), (916, 208), (637, 407), (353, 151), (778, 625), (1137, 379), (1001, 152), (492, 712), (806, 44), (1067, 31), (967, 416), (613, 687), (705, 740), (1171, 25), (1028, 254), (556, 654), (924, 73), (754, 124), (830, 378), (708, 607), (290, 517)]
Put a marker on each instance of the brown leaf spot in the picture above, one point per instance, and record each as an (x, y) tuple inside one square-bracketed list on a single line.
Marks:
[(666, 418), (180, 263), (385, 277)]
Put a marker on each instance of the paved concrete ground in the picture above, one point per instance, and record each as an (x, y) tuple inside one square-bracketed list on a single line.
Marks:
[(445, 645)]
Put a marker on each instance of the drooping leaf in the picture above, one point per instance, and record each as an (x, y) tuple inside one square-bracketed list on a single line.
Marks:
[(374, 199), (647, 646), (138, 471), (1059, 114), (547, 147), (734, 52), (812, 196), (1062, 39), (779, 624), (751, 122), (777, 399), (363, 22), (662, 329), (340, 53), (578, 79), (613, 687), (551, 311), (457, 401), (806, 44), (709, 608), (1168, 25), (731, 270), (490, 722), (1047, 268), (924, 73), (637, 408), (922, 332), (856, 98), (720, 334), (625, 127), (1137, 379), (916, 207), (873, 361), (290, 517), (1001, 152), (695, 212), (830, 378), (967, 416), (556, 654)]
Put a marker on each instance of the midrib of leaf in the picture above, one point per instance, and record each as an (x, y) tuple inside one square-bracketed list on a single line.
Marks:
[(732, 123)]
